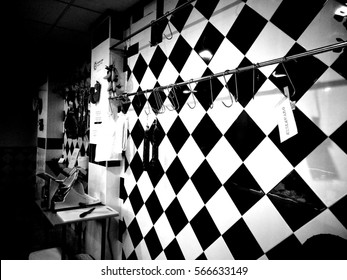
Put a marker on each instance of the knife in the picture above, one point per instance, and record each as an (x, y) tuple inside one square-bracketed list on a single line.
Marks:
[(82, 215)]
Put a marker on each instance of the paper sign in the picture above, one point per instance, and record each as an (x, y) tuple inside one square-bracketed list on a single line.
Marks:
[(73, 159), (285, 120)]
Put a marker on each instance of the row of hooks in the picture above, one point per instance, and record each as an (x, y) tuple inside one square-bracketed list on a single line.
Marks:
[(172, 94)]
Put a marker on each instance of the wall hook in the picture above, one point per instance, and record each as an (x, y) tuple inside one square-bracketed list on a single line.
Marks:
[(211, 92), (171, 35), (230, 94), (173, 98), (290, 80), (192, 92)]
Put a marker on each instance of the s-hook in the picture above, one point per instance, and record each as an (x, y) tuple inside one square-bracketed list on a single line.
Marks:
[(191, 91), (230, 94), (173, 98), (211, 92), (290, 80)]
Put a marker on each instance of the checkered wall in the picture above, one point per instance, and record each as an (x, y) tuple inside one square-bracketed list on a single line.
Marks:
[(225, 187)]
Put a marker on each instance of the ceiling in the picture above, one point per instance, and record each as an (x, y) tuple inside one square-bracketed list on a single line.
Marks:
[(64, 21)]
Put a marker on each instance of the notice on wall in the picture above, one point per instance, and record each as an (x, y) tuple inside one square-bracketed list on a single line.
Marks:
[(285, 119)]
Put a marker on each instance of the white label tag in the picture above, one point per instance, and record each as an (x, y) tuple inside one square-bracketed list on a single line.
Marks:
[(285, 120)]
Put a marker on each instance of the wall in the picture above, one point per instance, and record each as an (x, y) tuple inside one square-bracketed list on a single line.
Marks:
[(225, 187)]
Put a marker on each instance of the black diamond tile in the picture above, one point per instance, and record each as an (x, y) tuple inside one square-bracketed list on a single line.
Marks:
[(133, 256), (289, 249), (173, 251), (243, 189), (177, 175), (303, 73), (139, 68), (157, 62), (210, 39), (180, 53), (206, 135), (179, 18), (136, 166), (154, 207), (202, 257), (244, 135), (138, 102), (136, 200), (339, 209), (295, 201), (153, 243), (246, 247), (155, 172), (204, 90), (137, 133), (176, 216), (339, 137), (339, 64), (244, 87), (204, 228), (206, 8), (293, 17), (178, 134), (206, 182), (301, 145), (135, 232), (246, 29)]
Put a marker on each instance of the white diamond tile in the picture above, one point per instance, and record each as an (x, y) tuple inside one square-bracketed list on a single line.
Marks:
[(271, 43), (148, 81), (227, 57), (168, 75), (166, 153), (144, 220), (142, 252), (128, 246), (191, 117), (325, 104), (218, 251), (222, 116), (127, 212), (223, 210), (193, 68), (161, 256), (324, 223), (190, 156), (268, 165), (164, 231), (324, 170), (262, 108), (145, 186), (196, 22), (190, 200), (265, 8), (188, 243), (165, 192), (223, 160), (229, 10), (167, 119), (266, 224)]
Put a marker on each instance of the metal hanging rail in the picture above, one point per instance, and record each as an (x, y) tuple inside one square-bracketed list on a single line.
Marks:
[(151, 23), (250, 67)]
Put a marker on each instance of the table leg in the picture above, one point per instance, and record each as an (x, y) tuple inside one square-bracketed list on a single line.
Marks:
[(103, 238)]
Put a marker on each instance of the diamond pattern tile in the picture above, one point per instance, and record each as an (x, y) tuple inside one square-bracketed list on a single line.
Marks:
[(139, 68), (206, 9), (173, 251), (153, 244), (283, 17), (206, 142), (243, 189), (180, 53), (210, 39), (205, 181), (157, 62), (244, 135), (339, 210), (179, 18), (339, 137), (178, 134), (176, 216), (177, 175), (296, 202), (154, 208), (247, 248), (246, 29), (204, 228)]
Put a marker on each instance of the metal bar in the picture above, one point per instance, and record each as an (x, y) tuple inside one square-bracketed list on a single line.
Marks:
[(151, 23), (250, 67)]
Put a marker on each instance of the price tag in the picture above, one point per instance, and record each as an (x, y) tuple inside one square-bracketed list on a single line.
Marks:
[(285, 119)]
